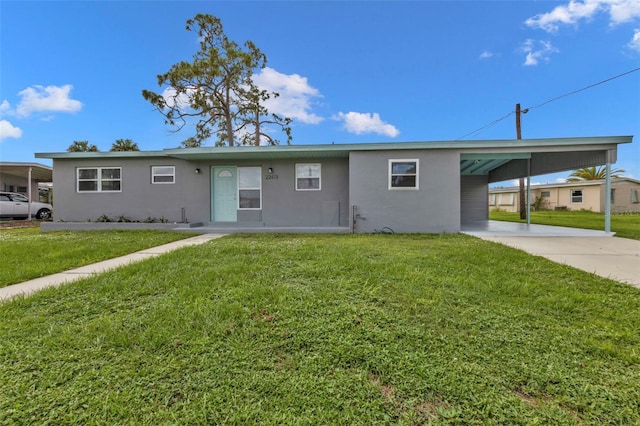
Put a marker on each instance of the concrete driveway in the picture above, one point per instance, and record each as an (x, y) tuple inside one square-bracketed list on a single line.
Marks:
[(592, 251)]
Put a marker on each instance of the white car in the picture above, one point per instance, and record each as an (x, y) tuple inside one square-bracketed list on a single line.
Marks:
[(16, 206)]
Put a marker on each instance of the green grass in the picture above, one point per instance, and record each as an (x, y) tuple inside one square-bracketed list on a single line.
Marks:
[(624, 225), (367, 329), (29, 253)]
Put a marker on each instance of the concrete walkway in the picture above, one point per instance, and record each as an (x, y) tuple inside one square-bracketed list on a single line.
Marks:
[(597, 252), (32, 286)]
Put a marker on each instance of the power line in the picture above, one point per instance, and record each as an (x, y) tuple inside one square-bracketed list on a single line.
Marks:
[(493, 123), (584, 88)]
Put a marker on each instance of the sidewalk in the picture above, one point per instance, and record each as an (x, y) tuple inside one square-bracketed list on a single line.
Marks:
[(32, 286)]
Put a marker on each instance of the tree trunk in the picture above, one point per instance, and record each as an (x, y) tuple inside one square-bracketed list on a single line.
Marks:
[(257, 129), (227, 114)]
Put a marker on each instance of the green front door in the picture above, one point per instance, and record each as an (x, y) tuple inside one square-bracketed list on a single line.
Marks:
[(225, 191)]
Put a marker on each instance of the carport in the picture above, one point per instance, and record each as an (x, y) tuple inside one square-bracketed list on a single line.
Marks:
[(15, 174), (533, 157)]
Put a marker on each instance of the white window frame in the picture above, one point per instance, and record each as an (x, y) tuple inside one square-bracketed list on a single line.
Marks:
[(416, 174), (155, 173), (574, 197), (319, 176), (507, 199), (545, 194), (250, 188), (98, 179), (492, 199)]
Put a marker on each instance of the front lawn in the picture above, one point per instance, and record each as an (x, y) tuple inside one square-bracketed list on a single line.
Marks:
[(625, 225), (325, 329), (29, 253)]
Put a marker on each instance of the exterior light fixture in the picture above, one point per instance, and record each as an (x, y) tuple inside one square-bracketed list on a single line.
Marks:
[(197, 171), (270, 170)]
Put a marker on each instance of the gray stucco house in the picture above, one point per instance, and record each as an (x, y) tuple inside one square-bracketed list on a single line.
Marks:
[(413, 187)]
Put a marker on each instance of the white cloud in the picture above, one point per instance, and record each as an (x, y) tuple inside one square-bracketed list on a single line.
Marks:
[(169, 95), (567, 14), (5, 107), (620, 11), (486, 55), (623, 10), (296, 95), (294, 100), (537, 51), (48, 99), (7, 130), (359, 123), (634, 44)]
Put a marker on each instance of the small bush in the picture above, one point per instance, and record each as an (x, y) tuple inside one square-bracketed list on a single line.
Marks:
[(104, 218)]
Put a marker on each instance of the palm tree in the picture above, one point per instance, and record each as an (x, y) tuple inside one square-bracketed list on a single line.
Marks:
[(124, 145), (82, 146), (591, 173)]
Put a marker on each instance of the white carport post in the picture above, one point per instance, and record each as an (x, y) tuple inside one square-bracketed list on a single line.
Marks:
[(607, 195), (29, 193), (528, 191)]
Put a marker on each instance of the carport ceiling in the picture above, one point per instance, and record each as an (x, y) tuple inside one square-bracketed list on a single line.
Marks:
[(39, 173), (482, 164)]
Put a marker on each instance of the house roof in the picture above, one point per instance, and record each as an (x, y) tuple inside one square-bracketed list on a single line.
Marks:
[(39, 172), (479, 157), (342, 150)]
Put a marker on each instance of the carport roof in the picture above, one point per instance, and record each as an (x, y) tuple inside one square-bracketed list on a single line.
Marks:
[(39, 172)]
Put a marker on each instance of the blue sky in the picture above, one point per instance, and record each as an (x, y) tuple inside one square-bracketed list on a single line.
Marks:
[(347, 72)]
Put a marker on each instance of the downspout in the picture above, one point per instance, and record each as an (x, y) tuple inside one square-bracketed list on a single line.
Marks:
[(607, 195), (29, 194)]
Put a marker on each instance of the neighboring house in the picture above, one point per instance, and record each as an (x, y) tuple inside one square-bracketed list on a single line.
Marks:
[(430, 187), (20, 177), (586, 195)]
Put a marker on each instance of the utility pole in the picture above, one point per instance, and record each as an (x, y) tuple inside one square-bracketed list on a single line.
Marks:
[(522, 200)]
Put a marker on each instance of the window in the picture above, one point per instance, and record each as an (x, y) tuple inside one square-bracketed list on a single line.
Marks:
[(22, 189), (308, 177), (403, 174), (507, 199), (99, 179), (249, 188), (613, 195), (492, 199), (576, 196), (163, 174), (635, 197), (545, 194)]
